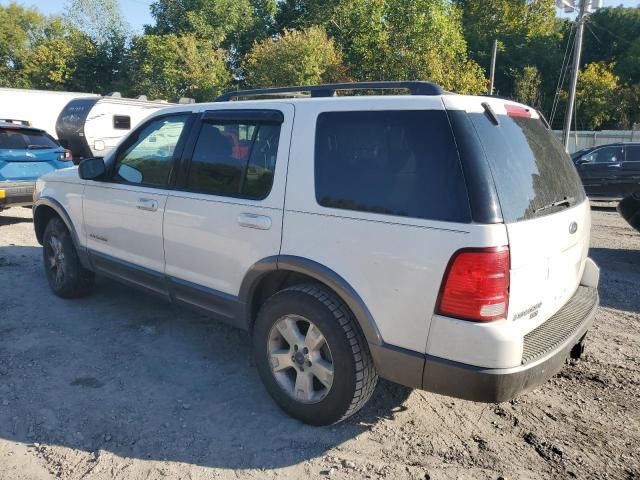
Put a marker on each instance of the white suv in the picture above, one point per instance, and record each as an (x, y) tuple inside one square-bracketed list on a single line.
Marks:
[(436, 240)]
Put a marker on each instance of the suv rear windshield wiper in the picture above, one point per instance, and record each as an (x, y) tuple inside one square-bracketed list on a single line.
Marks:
[(566, 201)]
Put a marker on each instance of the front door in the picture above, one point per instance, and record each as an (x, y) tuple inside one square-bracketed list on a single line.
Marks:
[(227, 214), (123, 214)]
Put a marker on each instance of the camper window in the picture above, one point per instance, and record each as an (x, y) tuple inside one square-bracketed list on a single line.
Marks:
[(121, 122)]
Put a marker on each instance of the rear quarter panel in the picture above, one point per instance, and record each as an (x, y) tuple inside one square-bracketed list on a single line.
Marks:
[(395, 264)]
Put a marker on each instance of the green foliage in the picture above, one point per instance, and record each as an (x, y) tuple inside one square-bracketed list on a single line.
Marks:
[(19, 29), (596, 94), (406, 40), (527, 86), (169, 66), (199, 48), (293, 58), (231, 24)]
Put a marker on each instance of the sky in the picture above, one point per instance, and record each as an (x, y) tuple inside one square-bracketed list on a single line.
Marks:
[(136, 12)]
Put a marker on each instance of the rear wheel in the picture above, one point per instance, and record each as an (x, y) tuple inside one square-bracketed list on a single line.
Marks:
[(66, 276), (311, 356)]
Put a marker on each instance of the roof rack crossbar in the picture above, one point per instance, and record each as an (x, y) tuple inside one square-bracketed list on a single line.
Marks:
[(329, 89)]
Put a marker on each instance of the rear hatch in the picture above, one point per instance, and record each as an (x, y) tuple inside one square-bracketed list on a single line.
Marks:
[(542, 203), (27, 153)]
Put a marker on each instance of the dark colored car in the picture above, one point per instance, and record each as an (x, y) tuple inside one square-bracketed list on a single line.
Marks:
[(26, 153), (609, 172), (629, 208)]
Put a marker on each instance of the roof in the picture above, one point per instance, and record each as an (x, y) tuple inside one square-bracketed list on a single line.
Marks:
[(18, 125)]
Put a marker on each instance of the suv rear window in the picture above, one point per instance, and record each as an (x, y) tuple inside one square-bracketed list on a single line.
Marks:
[(22, 139), (402, 163), (530, 168)]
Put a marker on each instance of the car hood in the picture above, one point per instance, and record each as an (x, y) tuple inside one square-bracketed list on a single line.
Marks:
[(63, 175)]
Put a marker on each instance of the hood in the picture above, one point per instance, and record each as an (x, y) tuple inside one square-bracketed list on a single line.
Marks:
[(64, 174)]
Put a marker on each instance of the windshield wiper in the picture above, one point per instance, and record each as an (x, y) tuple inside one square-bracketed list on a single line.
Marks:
[(38, 147), (566, 201)]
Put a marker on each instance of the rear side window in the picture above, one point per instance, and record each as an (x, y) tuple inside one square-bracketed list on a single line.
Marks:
[(633, 153), (402, 163), (530, 168), (23, 139), (234, 159)]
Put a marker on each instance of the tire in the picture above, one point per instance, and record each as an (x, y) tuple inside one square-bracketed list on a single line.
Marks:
[(66, 276), (344, 353)]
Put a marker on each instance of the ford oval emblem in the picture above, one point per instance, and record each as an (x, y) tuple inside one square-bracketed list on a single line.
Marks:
[(573, 227)]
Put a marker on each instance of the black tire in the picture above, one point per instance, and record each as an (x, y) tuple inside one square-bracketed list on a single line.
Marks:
[(66, 276), (354, 375)]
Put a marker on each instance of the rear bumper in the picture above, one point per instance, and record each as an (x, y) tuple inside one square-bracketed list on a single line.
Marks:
[(16, 193), (548, 348)]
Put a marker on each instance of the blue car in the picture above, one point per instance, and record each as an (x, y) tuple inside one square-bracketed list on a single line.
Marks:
[(25, 154)]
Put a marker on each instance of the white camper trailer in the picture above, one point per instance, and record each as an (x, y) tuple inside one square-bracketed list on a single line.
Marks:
[(87, 124)]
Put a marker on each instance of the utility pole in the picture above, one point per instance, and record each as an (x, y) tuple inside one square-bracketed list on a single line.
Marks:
[(574, 72), (494, 53)]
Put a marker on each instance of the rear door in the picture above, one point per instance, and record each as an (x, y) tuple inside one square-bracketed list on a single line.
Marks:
[(226, 214), (630, 174), (548, 245)]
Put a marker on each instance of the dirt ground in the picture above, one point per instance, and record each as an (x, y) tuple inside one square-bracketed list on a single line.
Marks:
[(120, 385)]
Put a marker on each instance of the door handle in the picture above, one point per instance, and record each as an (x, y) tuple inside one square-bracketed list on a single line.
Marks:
[(147, 204), (615, 165), (251, 220)]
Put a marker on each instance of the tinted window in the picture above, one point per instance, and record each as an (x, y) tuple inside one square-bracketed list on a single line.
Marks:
[(529, 166), (608, 155), (235, 159), (402, 163), (633, 153), (149, 159), (21, 139), (121, 122)]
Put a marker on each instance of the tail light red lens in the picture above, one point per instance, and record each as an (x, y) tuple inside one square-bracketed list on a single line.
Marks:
[(66, 156), (476, 285)]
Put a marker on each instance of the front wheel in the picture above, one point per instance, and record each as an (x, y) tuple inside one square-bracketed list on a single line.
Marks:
[(311, 356), (66, 276)]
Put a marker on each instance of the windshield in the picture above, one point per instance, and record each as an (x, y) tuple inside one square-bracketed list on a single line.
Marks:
[(531, 170), (22, 139)]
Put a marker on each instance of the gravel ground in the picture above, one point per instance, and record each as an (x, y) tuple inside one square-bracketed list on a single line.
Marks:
[(120, 385)]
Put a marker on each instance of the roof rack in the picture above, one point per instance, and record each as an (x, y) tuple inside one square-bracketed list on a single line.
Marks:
[(329, 89)]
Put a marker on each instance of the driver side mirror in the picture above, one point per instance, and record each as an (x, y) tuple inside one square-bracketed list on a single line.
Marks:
[(91, 168), (581, 161)]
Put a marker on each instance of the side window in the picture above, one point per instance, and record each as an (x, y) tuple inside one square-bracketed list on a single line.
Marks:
[(235, 159), (633, 153), (402, 163), (608, 155), (149, 158), (122, 122)]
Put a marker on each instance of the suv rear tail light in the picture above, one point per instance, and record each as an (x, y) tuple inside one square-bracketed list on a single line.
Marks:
[(476, 285), (66, 156)]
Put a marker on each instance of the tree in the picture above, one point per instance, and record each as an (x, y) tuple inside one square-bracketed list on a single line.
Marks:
[(405, 40), (527, 86), (169, 66), (293, 58), (99, 19), (298, 14), (19, 29), (596, 95), (232, 24)]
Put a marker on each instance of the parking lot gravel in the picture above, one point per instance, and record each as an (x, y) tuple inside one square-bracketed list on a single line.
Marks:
[(121, 385)]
